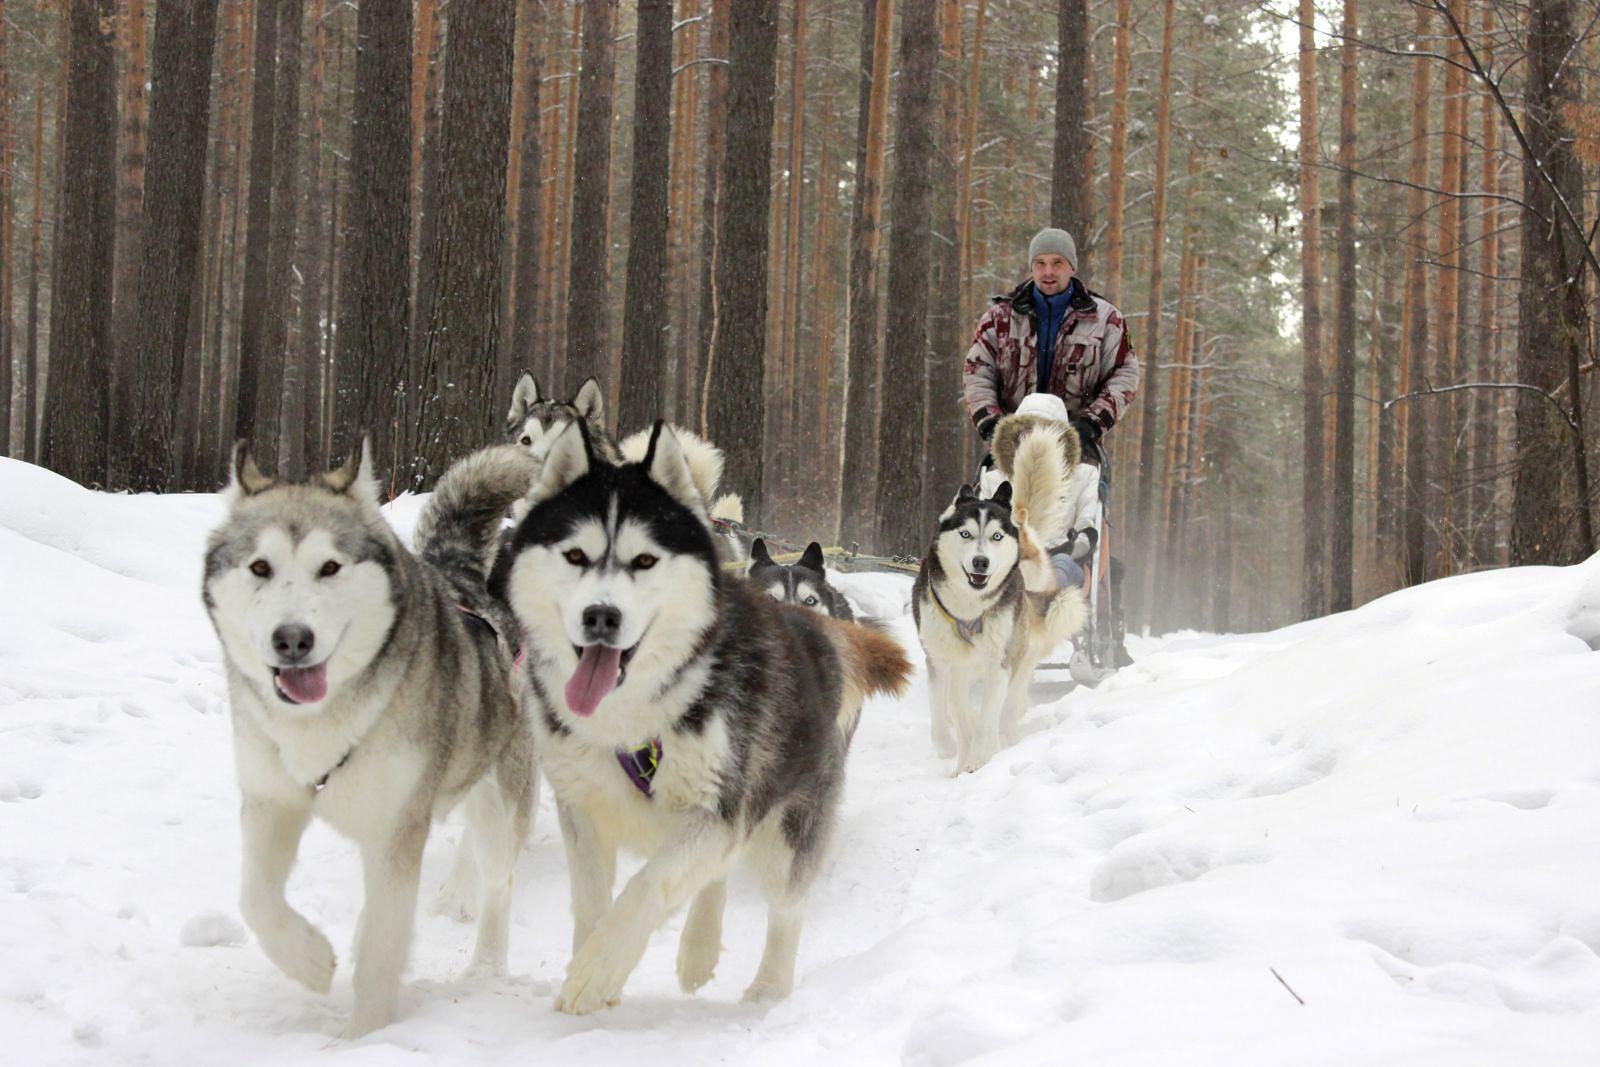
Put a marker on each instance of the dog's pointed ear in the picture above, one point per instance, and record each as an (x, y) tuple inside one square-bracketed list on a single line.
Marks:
[(812, 558), (668, 466), (591, 401), (1002, 495), (759, 553), (569, 460), (356, 478), (244, 477), (523, 397), (966, 492)]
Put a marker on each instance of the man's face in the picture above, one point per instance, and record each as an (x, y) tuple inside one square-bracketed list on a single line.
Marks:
[(1051, 273)]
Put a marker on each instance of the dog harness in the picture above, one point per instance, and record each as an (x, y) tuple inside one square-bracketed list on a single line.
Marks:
[(640, 764), (964, 629)]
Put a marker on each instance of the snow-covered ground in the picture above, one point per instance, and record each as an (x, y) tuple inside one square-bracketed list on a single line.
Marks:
[(1396, 811)]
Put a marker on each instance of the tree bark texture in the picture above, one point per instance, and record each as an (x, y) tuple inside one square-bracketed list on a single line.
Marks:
[(1314, 566), (736, 408), (589, 292), (644, 313), (257, 363), (374, 290), (902, 525), (1342, 558), (460, 322), (133, 45), (1414, 372), (1071, 183), (76, 415), (278, 402), (1549, 517), (172, 224)]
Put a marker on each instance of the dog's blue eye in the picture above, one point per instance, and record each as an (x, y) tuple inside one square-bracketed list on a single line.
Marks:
[(996, 536), (966, 535), (576, 557), (811, 601)]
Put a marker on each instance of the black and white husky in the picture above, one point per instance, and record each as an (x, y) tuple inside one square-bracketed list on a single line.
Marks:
[(536, 420), (803, 582), (371, 688), (988, 605), (678, 711)]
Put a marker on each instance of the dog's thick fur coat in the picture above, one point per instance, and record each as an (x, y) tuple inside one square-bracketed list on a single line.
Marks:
[(371, 688), (987, 603), (635, 637)]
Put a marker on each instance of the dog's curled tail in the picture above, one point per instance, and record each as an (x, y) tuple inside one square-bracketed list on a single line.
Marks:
[(729, 507), (875, 664), (469, 502), (1039, 481)]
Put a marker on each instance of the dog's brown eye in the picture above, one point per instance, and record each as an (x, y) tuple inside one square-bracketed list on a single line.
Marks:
[(329, 569), (643, 561), (527, 440), (576, 557), (261, 569)]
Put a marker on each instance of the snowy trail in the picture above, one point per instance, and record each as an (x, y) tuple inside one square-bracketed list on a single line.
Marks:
[(1396, 809)]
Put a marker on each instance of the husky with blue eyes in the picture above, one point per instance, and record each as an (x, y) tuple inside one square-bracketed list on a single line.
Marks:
[(988, 605), (679, 712), (803, 582)]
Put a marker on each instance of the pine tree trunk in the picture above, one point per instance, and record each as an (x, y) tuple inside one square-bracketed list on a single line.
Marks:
[(374, 290), (1314, 574), (279, 401), (172, 223), (1342, 561), (8, 157), (902, 524), (1071, 182), (1485, 417), (788, 452), (256, 359), (644, 316), (1147, 533), (863, 370), (1414, 370), (460, 323), (716, 149), (736, 407), (1550, 521), (1446, 298), (946, 416), (588, 306), (525, 287), (310, 242), (132, 44), (969, 138), (1117, 178), (31, 446), (75, 418)]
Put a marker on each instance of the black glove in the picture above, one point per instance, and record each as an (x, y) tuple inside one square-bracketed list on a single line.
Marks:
[(1088, 433), (986, 427)]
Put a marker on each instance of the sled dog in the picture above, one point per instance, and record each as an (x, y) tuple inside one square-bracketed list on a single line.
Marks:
[(370, 687), (536, 420), (803, 582), (987, 604), (678, 712)]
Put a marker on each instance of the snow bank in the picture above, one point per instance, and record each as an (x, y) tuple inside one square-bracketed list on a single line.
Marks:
[(1391, 815)]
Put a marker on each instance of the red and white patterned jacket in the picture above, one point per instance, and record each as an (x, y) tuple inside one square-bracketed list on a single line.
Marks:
[(1095, 370)]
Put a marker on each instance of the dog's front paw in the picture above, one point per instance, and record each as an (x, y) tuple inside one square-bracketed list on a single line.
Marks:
[(594, 980), (697, 961), (943, 747), (301, 952), (458, 897), (763, 990), (367, 1018)]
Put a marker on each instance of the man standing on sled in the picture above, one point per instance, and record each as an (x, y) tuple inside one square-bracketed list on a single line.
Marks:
[(1053, 336)]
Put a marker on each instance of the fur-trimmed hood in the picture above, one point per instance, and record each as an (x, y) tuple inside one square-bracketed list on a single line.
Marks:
[(1011, 429)]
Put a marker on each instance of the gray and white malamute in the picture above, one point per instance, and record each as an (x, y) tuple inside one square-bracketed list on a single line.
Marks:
[(536, 420), (987, 602), (370, 687), (679, 712), (803, 582)]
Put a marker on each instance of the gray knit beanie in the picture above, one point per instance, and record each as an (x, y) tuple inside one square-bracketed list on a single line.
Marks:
[(1050, 239)]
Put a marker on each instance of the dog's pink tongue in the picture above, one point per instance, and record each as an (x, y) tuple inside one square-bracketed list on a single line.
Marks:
[(597, 673), (305, 685)]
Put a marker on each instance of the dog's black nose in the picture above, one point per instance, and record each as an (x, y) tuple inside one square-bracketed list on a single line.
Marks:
[(980, 564), (601, 623), (292, 642)]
